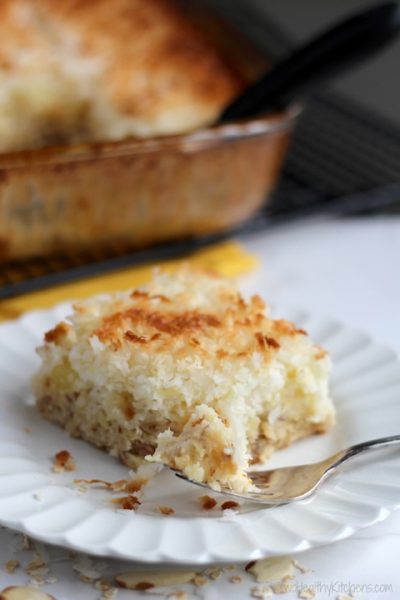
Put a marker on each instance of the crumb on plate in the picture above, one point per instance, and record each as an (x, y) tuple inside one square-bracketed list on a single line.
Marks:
[(63, 461), (207, 502), (129, 502)]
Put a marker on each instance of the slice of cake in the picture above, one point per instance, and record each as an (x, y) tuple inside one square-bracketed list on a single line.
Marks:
[(187, 373)]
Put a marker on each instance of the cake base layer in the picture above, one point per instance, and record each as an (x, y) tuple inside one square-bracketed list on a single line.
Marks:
[(117, 441)]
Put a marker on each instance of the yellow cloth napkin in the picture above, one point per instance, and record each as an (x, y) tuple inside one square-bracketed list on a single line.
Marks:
[(227, 258)]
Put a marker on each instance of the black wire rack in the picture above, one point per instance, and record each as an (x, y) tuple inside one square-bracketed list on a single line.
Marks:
[(343, 159)]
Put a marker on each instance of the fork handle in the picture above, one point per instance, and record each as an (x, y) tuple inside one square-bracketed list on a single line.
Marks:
[(345, 455)]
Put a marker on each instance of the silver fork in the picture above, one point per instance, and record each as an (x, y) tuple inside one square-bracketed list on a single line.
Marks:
[(289, 484)]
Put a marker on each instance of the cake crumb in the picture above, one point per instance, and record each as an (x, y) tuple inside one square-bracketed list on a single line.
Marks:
[(306, 593), (261, 592), (11, 565), (213, 572), (344, 597), (81, 486), (86, 568), (143, 475), (165, 510), (207, 502), (116, 486), (200, 580), (301, 567), (235, 579), (230, 505), (284, 586), (103, 585), (121, 485), (178, 595), (135, 485), (63, 461), (37, 568), (109, 594), (127, 502), (27, 543)]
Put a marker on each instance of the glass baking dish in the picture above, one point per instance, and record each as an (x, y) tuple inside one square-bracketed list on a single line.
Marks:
[(138, 192)]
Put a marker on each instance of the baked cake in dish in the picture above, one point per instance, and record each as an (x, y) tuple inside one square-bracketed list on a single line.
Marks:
[(185, 372), (80, 71)]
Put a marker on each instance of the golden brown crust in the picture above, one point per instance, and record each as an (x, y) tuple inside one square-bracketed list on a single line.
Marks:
[(63, 461), (207, 502), (151, 39), (283, 327), (57, 333), (170, 323), (129, 502), (151, 63), (150, 321), (230, 505), (165, 510)]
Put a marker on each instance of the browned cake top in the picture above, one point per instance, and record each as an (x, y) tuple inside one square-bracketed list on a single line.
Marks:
[(151, 58), (209, 322)]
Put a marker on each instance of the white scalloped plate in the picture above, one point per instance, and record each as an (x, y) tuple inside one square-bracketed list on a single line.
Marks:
[(47, 506)]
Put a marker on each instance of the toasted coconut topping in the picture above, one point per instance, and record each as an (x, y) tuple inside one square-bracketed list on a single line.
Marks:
[(57, 333), (171, 323), (132, 337), (121, 485), (63, 461), (165, 510), (225, 327), (230, 505), (320, 352), (207, 503), (282, 327), (135, 485), (127, 502), (272, 343)]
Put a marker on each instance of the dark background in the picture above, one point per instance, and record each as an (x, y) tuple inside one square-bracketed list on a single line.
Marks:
[(376, 86)]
